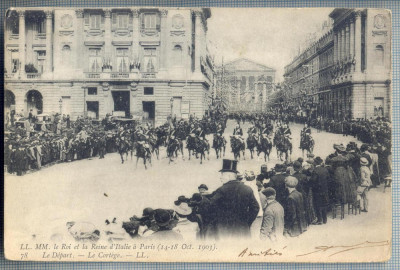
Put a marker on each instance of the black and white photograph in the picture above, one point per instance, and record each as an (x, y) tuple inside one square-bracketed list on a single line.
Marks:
[(155, 134)]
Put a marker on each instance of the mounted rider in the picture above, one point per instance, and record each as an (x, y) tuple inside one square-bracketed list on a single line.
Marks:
[(305, 134), (143, 139), (238, 133)]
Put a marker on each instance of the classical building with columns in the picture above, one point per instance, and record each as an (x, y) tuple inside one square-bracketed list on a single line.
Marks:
[(354, 66), (145, 62), (244, 85)]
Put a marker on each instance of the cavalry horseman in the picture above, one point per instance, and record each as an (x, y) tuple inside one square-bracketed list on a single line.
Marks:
[(238, 133), (305, 134)]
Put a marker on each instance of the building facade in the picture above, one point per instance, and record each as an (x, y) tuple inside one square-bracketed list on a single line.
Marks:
[(244, 85), (354, 67), (142, 62)]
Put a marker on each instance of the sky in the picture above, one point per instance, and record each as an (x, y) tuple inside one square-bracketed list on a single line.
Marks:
[(267, 36)]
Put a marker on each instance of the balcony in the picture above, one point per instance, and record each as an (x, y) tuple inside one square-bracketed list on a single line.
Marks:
[(149, 75), (33, 75), (92, 75), (10, 75), (119, 75)]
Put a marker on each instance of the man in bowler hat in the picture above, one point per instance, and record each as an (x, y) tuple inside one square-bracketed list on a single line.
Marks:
[(234, 204)]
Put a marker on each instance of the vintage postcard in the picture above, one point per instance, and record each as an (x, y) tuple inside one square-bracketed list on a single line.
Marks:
[(152, 134)]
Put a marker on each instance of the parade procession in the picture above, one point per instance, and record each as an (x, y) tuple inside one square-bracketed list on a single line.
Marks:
[(125, 124)]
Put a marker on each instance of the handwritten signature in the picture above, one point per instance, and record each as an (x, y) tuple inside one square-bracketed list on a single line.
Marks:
[(341, 249), (262, 253)]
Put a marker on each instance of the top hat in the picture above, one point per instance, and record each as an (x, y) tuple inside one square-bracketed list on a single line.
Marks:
[(229, 165)]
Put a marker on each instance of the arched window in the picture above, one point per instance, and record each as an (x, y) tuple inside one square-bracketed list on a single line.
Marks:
[(177, 55), (379, 55), (66, 55)]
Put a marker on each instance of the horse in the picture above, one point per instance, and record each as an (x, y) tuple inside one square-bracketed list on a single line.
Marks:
[(219, 144), (123, 148), (283, 146), (142, 152), (191, 142), (155, 144), (251, 143), (237, 146), (203, 147), (265, 146), (307, 143), (174, 145)]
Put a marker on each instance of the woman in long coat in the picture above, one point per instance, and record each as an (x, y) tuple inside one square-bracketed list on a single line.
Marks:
[(340, 174)]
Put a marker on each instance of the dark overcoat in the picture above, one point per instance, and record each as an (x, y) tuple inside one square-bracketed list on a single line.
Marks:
[(278, 183), (235, 210), (319, 183), (295, 216)]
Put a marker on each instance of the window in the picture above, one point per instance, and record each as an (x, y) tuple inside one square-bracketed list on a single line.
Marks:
[(41, 26), (40, 60), (150, 60), (379, 55), (148, 91), (95, 64), (14, 61), (177, 55), (95, 21), (92, 90), (13, 24), (122, 60), (122, 21), (150, 21), (251, 82)]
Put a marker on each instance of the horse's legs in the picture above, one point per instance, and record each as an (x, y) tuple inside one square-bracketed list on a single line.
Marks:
[(137, 159), (144, 162), (122, 157)]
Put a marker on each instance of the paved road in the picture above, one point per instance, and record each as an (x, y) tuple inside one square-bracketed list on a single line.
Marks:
[(98, 189)]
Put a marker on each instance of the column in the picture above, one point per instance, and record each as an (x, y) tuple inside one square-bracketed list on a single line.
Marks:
[(352, 37), (49, 41), (107, 33), (21, 41), (335, 47), (164, 39), (343, 32), (339, 47), (79, 39), (357, 34), (136, 33), (347, 41), (197, 15)]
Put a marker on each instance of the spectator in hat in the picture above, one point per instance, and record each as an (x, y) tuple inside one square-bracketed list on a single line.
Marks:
[(295, 219), (163, 218), (234, 204), (203, 190), (319, 183), (365, 183), (272, 226), (340, 177), (204, 216), (147, 223), (189, 230), (278, 183), (252, 183), (304, 188)]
